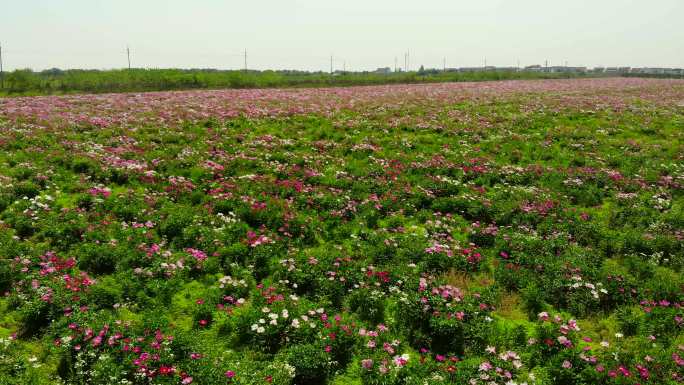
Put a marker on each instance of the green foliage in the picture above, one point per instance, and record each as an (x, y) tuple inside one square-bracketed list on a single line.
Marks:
[(26, 81), (312, 364)]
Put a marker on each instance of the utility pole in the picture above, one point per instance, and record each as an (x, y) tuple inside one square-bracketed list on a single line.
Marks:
[(444, 66), (128, 55), (245, 59), (518, 66), (331, 65), (2, 75), (485, 63), (395, 64), (546, 64), (405, 62), (344, 66)]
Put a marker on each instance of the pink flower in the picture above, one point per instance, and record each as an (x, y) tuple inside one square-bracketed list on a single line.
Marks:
[(643, 372), (566, 364), (230, 374), (401, 360), (198, 254), (367, 364), (624, 371)]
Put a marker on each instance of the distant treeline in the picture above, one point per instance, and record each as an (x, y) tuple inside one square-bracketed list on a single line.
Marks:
[(56, 81)]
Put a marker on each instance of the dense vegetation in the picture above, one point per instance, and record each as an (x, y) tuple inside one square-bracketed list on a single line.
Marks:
[(468, 233), (57, 81)]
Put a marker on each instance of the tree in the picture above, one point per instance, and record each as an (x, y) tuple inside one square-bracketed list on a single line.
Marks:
[(21, 80)]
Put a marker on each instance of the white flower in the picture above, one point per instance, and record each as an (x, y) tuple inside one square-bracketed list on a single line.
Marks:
[(260, 329)]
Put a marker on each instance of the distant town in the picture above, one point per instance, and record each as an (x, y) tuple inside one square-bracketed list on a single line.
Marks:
[(552, 69)]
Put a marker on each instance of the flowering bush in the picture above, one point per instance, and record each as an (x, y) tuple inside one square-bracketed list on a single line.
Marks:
[(492, 233)]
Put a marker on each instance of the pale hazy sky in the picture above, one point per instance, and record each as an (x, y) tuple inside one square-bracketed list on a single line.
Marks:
[(364, 34)]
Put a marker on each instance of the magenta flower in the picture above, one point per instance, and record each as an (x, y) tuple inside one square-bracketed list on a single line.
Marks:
[(198, 254)]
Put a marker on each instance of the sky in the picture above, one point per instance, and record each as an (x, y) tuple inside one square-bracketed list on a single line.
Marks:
[(359, 34)]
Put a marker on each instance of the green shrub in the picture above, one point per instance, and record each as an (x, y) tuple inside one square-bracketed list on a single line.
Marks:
[(312, 364), (369, 304)]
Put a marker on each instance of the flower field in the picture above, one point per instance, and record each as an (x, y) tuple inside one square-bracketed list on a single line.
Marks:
[(513, 232)]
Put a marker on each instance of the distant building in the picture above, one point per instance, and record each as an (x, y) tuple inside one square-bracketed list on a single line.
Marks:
[(566, 69), (470, 69), (383, 70)]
